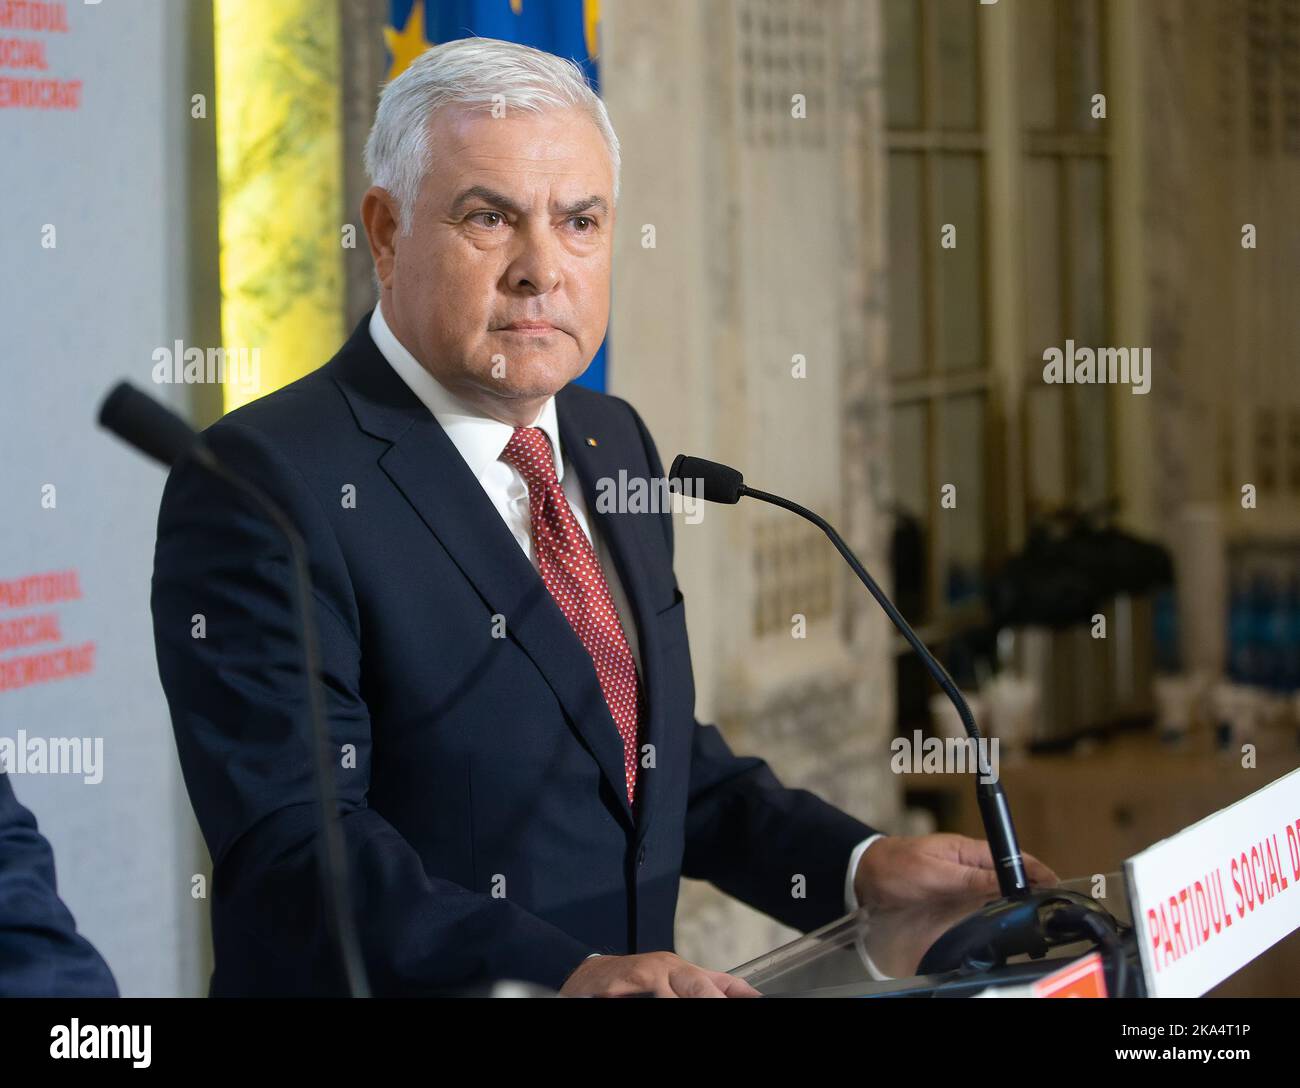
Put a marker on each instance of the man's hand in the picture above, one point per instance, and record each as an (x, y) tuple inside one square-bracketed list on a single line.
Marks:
[(658, 973), (902, 869)]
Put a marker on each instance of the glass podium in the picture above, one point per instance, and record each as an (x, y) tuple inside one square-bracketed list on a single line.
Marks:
[(879, 954)]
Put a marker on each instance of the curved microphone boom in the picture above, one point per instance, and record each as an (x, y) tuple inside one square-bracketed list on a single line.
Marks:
[(161, 434), (1024, 920), (721, 483)]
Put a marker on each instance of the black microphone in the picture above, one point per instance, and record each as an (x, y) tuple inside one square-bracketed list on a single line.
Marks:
[(152, 428), (158, 432), (1023, 921), (715, 482)]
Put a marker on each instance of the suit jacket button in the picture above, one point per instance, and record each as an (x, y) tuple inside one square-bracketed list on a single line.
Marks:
[(640, 857)]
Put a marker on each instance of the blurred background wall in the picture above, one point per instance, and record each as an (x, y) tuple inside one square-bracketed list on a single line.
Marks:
[(848, 232)]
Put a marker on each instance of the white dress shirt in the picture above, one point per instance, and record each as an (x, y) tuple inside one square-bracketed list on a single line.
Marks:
[(480, 440)]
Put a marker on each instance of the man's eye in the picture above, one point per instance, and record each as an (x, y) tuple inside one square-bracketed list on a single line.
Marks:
[(584, 223), (497, 218)]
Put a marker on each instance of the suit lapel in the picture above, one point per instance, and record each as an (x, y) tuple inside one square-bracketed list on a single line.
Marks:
[(424, 465)]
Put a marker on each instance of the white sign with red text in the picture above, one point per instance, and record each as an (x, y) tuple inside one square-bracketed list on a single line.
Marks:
[(1210, 899)]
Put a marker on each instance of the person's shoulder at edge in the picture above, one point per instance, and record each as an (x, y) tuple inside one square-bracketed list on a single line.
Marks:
[(302, 413)]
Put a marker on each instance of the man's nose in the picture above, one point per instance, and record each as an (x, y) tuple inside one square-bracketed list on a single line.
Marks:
[(536, 268)]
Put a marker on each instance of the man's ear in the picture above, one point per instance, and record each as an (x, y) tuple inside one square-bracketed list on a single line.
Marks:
[(380, 217)]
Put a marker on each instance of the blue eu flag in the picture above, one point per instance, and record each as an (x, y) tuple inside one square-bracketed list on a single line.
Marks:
[(567, 28)]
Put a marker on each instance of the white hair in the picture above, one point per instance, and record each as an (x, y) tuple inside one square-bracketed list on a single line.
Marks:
[(474, 72)]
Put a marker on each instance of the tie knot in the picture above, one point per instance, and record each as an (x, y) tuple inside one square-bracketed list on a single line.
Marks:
[(529, 450)]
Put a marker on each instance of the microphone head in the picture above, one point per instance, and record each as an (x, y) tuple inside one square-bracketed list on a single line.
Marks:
[(713, 482), (152, 428)]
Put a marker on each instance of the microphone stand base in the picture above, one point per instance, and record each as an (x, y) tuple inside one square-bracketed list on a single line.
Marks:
[(1029, 925)]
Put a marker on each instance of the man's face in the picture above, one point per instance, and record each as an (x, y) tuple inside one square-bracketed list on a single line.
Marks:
[(501, 289)]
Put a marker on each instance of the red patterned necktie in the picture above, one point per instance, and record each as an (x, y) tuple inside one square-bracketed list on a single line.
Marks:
[(569, 568)]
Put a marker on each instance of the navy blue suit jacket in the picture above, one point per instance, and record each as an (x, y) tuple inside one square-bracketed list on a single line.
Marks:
[(41, 953), (480, 778)]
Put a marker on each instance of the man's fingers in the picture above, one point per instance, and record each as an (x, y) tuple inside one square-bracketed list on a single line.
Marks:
[(976, 852), (733, 986), (972, 852), (661, 974), (1039, 873), (982, 881), (943, 877), (693, 982)]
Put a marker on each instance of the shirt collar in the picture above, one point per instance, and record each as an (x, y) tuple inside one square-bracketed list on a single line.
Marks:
[(478, 438)]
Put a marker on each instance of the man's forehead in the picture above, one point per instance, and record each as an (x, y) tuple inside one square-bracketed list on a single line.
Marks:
[(562, 146)]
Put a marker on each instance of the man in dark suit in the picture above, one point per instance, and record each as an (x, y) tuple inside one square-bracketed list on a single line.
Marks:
[(522, 779), (41, 952)]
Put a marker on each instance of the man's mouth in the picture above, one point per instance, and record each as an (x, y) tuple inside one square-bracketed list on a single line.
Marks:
[(529, 328)]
